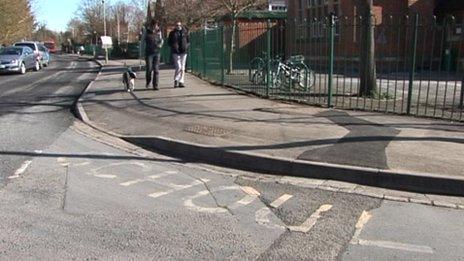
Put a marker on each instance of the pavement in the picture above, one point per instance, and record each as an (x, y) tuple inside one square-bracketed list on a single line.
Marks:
[(222, 126)]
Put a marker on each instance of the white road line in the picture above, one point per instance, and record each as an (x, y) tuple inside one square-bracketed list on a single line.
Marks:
[(149, 178), (396, 245), (97, 171), (281, 200), (132, 182), (311, 221), (175, 188), (246, 200), (21, 170), (82, 164), (105, 176), (363, 219), (250, 191)]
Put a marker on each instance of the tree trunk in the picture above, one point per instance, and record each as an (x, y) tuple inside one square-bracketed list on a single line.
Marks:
[(230, 67), (368, 75)]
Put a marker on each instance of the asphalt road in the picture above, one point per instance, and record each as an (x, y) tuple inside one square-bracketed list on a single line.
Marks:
[(35, 108), (83, 200), (81, 197)]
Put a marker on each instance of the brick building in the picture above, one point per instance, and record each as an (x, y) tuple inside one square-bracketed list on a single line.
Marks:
[(250, 38), (309, 9), (393, 34)]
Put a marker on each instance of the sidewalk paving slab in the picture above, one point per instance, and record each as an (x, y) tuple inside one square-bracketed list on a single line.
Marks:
[(219, 125)]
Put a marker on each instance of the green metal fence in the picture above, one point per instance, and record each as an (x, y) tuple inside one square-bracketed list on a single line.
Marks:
[(417, 65)]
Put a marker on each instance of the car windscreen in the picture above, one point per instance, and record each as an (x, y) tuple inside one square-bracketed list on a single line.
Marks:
[(11, 51), (30, 45)]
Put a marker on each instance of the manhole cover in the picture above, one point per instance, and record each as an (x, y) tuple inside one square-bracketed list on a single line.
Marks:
[(207, 130)]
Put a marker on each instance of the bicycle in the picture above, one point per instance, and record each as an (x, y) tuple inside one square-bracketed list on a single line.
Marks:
[(293, 73)]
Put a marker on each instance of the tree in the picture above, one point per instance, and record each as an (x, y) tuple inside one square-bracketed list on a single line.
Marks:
[(43, 34), (16, 20), (193, 13), (234, 8), (90, 14), (368, 73), (124, 20)]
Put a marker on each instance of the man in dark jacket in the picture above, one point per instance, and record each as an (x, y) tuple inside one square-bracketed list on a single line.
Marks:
[(153, 44), (179, 42)]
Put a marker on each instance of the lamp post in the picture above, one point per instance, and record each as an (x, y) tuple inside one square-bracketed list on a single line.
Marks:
[(104, 29)]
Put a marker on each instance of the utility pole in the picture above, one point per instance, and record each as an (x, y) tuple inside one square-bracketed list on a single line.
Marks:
[(119, 28), (104, 29)]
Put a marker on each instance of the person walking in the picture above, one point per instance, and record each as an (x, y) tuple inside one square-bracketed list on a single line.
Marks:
[(179, 42), (153, 43)]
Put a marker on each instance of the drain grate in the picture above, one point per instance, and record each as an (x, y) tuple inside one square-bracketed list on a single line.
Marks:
[(207, 130)]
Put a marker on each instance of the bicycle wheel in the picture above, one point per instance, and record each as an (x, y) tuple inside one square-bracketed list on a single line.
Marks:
[(304, 79), (282, 81), (259, 77)]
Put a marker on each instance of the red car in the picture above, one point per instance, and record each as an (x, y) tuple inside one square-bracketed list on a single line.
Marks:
[(50, 46)]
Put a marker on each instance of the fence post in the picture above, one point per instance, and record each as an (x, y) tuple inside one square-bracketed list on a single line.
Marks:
[(204, 53), (331, 58), (221, 37), (461, 100), (412, 69), (268, 57)]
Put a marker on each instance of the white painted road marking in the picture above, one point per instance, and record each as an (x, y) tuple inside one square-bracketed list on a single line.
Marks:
[(97, 172), (246, 200), (175, 187), (105, 176), (250, 191), (362, 221), (278, 202), (365, 217), (212, 210), (311, 221), (149, 178), (396, 245), (82, 164), (21, 170)]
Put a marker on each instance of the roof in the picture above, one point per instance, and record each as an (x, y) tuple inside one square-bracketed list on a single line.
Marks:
[(258, 15)]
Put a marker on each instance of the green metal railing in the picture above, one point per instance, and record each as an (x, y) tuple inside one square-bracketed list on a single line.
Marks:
[(417, 67)]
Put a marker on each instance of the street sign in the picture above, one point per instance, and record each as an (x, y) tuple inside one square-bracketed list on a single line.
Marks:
[(107, 42)]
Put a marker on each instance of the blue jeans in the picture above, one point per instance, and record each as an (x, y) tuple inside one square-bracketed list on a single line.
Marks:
[(152, 67)]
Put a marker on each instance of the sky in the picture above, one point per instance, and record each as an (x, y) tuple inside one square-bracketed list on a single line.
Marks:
[(55, 13)]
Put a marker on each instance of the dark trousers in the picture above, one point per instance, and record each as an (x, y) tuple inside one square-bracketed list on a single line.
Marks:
[(152, 67)]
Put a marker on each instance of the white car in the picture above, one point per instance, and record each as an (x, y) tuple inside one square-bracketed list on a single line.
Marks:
[(35, 48)]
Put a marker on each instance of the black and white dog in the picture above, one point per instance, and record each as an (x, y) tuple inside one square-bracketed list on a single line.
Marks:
[(128, 79)]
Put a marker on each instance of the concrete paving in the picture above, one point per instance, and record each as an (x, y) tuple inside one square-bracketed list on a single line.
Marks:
[(230, 121)]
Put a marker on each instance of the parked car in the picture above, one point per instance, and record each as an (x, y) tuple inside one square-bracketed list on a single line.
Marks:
[(35, 47), (18, 59), (45, 54)]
